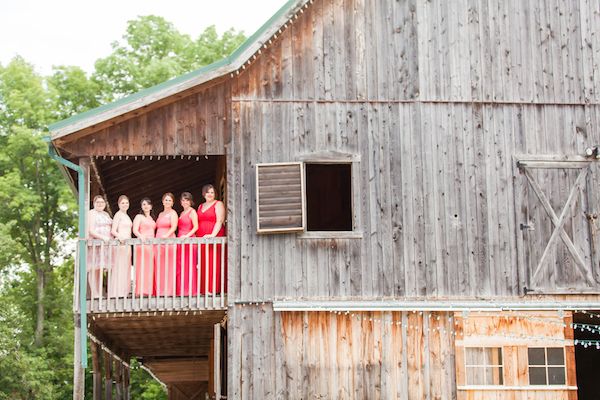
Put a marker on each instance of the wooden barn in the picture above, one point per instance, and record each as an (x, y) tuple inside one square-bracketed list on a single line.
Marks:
[(412, 192)]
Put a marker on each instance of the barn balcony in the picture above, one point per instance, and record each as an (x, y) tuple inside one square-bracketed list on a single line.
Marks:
[(153, 278)]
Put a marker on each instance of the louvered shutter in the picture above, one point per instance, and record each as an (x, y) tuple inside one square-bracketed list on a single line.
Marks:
[(280, 197)]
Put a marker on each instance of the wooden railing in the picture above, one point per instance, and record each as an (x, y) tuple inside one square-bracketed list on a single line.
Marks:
[(154, 275)]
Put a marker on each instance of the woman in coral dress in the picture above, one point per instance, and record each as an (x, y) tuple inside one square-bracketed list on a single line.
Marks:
[(119, 283), (166, 224), (99, 256), (211, 216), (143, 228), (187, 254)]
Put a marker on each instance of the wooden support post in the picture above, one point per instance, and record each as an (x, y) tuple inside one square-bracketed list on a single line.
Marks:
[(217, 361), (118, 368), (126, 383), (96, 371), (211, 363), (108, 375), (78, 371)]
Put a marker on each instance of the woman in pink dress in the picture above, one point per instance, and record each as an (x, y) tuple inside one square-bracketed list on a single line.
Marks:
[(211, 216), (143, 228), (187, 254), (119, 283), (98, 257), (166, 224)]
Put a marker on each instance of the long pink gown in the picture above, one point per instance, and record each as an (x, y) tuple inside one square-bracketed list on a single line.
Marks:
[(144, 259), (164, 277), (187, 259), (206, 224), (99, 257), (119, 283)]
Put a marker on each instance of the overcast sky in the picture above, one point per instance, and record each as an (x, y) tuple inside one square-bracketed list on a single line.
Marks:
[(70, 32)]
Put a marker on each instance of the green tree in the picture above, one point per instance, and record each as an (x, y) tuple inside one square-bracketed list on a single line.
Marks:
[(38, 214), (153, 51), (38, 210)]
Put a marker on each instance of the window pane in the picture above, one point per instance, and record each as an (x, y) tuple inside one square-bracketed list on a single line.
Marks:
[(556, 375), (475, 376), (556, 356), (537, 375), (536, 356), (493, 376), (493, 356), (474, 356)]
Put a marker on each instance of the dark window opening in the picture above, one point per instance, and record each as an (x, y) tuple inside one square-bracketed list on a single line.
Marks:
[(329, 197), (587, 358)]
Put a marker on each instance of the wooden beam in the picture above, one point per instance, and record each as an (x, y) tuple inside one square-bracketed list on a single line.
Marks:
[(108, 375), (98, 178), (96, 371), (180, 370), (217, 361)]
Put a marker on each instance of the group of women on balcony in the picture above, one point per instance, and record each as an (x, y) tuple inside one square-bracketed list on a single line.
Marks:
[(160, 269)]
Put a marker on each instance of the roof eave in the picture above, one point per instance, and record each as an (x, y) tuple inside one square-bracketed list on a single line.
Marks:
[(164, 90)]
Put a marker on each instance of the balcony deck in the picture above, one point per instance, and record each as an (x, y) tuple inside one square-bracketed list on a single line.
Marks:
[(122, 278)]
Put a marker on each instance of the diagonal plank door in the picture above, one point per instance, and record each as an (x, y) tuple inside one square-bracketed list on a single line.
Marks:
[(555, 225)]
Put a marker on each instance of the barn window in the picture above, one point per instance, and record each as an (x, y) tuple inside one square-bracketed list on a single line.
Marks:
[(304, 196), (546, 365), (329, 197), (483, 366), (280, 197)]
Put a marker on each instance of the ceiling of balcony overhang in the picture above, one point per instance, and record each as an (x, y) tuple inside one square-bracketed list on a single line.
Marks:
[(152, 178)]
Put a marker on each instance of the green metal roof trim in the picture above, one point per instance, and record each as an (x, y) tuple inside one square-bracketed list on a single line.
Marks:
[(290, 4)]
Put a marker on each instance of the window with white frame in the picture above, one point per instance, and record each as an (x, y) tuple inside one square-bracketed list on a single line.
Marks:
[(546, 365), (483, 366), (304, 196)]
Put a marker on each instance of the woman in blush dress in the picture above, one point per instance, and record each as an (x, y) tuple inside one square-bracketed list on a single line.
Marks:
[(166, 224), (143, 228), (211, 216), (98, 257), (119, 283), (187, 254)]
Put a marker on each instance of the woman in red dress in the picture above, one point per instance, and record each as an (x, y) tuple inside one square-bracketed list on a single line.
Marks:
[(166, 224), (211, 216), (187, 253)]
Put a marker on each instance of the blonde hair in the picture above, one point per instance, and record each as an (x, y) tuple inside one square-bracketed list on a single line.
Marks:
[(122, 197), (169, 194)]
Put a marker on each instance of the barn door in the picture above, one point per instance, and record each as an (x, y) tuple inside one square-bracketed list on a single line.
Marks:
[(558, 224)]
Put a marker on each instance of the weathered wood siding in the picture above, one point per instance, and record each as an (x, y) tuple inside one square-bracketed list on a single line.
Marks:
[(197, 124), (386, 355), (320, 355), (435, 194), (501, 51), (434, 101)]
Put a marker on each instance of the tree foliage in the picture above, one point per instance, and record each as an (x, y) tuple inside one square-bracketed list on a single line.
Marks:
[(38, 216), (153, 51)]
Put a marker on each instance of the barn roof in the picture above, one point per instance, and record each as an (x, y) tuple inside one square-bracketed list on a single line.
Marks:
[(228, 65)]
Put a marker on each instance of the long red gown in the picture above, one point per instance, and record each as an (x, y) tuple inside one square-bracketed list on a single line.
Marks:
[(206, 223), (187, 259)]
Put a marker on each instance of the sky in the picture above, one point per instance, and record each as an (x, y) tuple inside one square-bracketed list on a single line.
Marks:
[(70, 32)]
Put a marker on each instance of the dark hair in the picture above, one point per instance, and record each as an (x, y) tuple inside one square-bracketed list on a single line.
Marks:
[(187, 196), (206, 188), (147, 200)]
